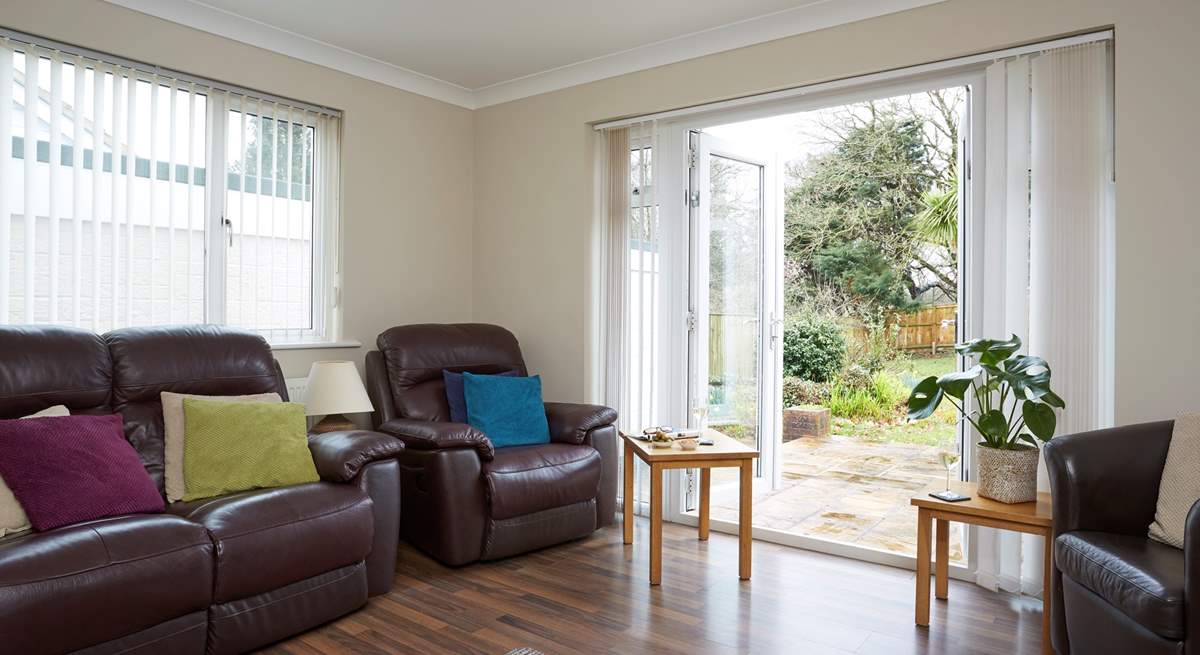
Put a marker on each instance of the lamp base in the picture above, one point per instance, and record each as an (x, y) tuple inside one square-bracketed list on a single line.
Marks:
[(333, 423)]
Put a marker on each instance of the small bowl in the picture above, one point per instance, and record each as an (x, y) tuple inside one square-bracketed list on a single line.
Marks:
[(688, 443)]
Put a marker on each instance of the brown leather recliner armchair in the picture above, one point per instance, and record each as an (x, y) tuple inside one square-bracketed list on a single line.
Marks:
[(462, 499), (1114, 589)]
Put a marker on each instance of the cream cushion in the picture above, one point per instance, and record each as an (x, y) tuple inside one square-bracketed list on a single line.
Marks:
[(173, 435), (12, 516), (1180, 486)]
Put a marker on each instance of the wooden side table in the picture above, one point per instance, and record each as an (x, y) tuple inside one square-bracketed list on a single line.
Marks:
[(725, 452), (1031, 518)]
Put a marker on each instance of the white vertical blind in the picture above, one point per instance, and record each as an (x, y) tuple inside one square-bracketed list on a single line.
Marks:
[(633, 278), (1047, 274), (1071, 230), (108, 211)]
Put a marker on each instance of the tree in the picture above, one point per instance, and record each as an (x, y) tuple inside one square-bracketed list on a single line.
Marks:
[(871, 225)]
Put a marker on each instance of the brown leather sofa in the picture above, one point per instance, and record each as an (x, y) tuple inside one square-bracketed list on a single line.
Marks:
[(222, 575), (464, 500), (1115, 590)]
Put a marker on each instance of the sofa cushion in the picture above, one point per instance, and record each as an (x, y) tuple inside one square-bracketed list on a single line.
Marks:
[(207, 360), (230, 447), (1179, 488), (526, 479), (173, 429), (93, 582), (456, 395), (42, 365), (269, 538), (508, 410), (1141, 578), (67, 469)]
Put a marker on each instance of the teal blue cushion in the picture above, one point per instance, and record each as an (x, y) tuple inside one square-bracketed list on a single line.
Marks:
[(508, 410)]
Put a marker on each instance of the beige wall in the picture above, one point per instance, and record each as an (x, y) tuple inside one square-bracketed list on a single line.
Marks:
[(533, 173), (431, 188), (406, 163)]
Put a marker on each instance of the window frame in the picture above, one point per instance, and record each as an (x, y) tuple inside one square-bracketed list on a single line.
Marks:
[(324, 290)]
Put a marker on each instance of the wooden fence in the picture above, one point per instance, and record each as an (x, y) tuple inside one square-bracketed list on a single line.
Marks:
[(932, 328)]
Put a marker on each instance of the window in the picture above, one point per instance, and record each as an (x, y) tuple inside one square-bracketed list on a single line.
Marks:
[(134, 196)]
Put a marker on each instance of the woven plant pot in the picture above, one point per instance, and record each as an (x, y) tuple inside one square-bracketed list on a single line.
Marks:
[(1009, 476)]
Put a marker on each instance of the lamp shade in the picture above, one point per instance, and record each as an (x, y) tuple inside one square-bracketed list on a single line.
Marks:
[(335, 388)]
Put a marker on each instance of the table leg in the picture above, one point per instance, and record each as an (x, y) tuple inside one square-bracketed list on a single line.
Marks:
[(627, 501), (1047, 595), (942, 559), (745, 502), (923, 538), (655, 524), (705, 483)]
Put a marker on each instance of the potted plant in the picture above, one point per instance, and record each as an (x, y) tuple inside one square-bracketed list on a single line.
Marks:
[(1006, 397)]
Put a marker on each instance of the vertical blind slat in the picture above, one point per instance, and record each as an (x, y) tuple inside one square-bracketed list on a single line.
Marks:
[(6, 175), (98, 122), (77, 102), (131, 133), (28, 214), (54, 162), (151, 200), (191, 188)]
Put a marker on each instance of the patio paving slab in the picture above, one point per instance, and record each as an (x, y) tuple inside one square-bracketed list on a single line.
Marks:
[(845, 489)]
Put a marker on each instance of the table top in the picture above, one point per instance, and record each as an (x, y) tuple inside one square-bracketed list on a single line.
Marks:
[(1031, 513), (723, 448)]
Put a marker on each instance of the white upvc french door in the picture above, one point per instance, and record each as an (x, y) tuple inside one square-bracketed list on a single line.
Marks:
[(736, 297)]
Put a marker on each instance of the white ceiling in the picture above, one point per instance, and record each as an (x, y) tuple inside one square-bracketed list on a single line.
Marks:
[(480, 52)]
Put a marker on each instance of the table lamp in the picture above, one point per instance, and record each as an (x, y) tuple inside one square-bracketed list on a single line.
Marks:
[(333, 390)]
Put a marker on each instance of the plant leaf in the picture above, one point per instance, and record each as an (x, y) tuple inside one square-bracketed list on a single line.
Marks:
[(1028, 438), (956, 384), (994, 426), (925, 398), (1039, 418), (990, 351), (1052, 399)]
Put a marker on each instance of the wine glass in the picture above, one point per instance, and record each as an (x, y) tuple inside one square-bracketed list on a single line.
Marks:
[(949, 459), (700, 412)]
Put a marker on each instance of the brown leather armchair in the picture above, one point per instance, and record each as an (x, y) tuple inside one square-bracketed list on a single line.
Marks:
[(1115, 590), (462, 499)]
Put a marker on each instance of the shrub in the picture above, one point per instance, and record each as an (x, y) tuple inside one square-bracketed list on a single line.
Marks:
[(798, 391), (877, 398), (813, 349)]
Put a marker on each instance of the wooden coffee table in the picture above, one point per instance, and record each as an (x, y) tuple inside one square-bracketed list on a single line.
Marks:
[(725, 452), (1031, 518)]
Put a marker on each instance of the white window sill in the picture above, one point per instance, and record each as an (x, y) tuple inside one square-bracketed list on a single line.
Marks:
[(309, 345)]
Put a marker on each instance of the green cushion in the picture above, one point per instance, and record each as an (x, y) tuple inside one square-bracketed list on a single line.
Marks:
[(230, 447)]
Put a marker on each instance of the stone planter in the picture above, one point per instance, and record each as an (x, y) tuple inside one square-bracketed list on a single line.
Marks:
[(1009, 476), (806, 421)]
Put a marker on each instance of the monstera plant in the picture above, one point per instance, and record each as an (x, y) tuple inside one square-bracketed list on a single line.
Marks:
[(1007, 398)]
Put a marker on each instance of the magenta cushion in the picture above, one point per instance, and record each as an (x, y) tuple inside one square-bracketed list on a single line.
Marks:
[(68, 469)]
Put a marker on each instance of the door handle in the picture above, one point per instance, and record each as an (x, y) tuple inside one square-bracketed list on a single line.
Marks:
[(228, 227)]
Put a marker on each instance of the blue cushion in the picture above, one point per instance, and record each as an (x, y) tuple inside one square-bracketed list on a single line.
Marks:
[(508, 410), (454, 393)]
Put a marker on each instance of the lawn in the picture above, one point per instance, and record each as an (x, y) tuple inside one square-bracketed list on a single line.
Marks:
[(937, 430)]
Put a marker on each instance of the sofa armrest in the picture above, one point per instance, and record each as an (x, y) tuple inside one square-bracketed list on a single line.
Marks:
[(1107, 480), (437, 435), (340, 455), (571, 422)]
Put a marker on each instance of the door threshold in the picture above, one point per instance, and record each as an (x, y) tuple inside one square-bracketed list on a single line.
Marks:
[(848, 551)]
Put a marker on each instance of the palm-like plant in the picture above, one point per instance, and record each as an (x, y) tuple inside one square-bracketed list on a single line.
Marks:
[(938, 222), (989, 394)]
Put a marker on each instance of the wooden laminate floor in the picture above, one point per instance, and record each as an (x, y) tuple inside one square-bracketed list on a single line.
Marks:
[(592, 596)]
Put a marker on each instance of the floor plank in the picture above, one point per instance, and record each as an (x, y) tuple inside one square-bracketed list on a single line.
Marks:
[(593, 596)]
